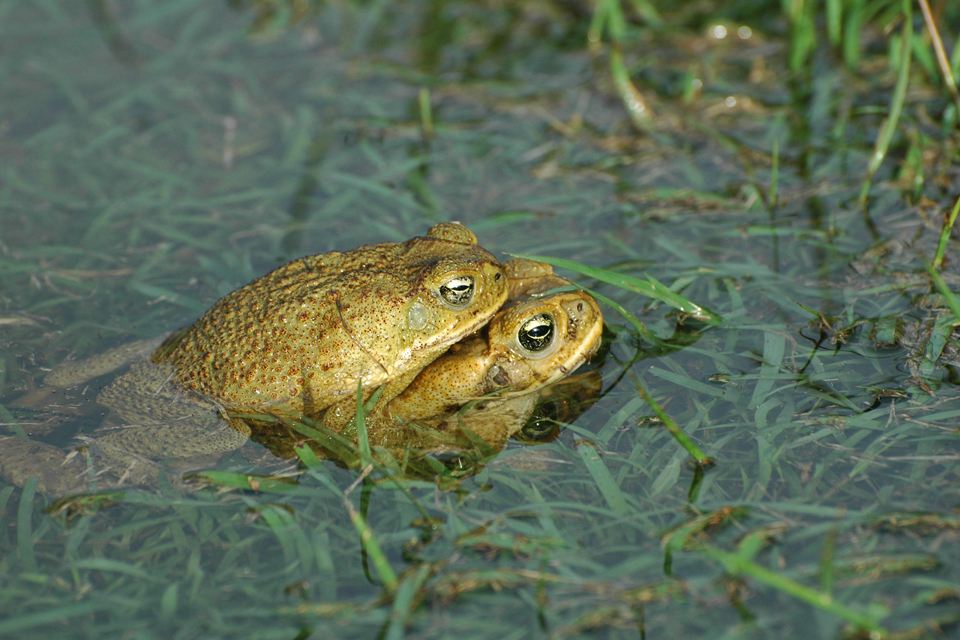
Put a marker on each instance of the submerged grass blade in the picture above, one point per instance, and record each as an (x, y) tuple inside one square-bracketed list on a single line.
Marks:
[(604, 479), (372, 547), (671, 426), (28, 560), (827, 568), (349, 453), (773, 351), (692, 532), (249, 482), (405, 601), (53, 616), (113, 566)]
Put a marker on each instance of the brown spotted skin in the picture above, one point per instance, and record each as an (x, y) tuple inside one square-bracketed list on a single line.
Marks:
[(529, 277), (297, 340)]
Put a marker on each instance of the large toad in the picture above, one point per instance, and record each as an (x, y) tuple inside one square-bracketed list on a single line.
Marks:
[(296, 342), (300, 339)]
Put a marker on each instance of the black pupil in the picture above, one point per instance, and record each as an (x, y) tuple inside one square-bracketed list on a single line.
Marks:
[(458, 292), (535, 333)]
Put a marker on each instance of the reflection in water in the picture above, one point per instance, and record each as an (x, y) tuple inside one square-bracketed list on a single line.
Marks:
[(559, 404), (155, 427), (451, 452)]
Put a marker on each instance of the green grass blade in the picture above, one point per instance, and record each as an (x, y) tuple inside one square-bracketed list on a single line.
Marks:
[(737, 565), (404, 602), (53, 616), (650, 288), (640, 113), (774, 173), (640, 328), (675, 430), (250, 482), (426, 114), (945, 233), (944, 290), (307, 456), (372, 547), (597, 22), (896, 104), (648, 12), (604, 479), (360, 423), (834, 21), (28, 560), (168, 602), (773, 349), (114, 566)]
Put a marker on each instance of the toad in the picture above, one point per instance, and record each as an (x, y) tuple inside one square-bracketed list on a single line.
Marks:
[(300, 339)]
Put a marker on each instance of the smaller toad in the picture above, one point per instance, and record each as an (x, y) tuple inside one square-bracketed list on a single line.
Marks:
[(531, 343)]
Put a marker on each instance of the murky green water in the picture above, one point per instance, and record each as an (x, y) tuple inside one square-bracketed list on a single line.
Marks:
[(156, 155)]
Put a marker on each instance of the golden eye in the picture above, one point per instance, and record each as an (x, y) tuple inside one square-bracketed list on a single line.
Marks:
[(458, 292), (536, 333)]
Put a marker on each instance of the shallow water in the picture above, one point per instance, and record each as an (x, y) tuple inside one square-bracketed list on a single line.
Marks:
[(160, 154)]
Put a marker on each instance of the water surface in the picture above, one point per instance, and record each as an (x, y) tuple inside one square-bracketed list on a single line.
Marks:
[(157, 155)]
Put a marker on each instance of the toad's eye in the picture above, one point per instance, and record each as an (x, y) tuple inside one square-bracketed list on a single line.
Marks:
[(536, 333), (458, 292)]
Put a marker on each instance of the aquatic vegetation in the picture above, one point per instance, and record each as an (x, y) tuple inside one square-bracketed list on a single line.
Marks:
[(762, 192)]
